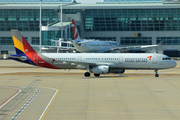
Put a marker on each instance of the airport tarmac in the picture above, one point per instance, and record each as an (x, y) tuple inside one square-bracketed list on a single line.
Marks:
[(28, 92)]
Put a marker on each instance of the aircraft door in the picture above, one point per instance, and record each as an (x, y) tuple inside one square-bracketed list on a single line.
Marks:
[(155, 59), (79, 59), (121, 60)]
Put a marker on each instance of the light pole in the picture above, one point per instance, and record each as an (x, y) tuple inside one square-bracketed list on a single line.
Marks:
[(61, 22), (40, 26)]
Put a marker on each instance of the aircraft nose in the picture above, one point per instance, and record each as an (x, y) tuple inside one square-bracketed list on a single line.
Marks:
[(173, 64)]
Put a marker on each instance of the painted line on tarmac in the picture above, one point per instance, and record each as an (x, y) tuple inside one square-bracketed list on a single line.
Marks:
[(49, 104), (27, 103), (125, 79), (9, 99), (130, 71), (175, 72), (101, 112)]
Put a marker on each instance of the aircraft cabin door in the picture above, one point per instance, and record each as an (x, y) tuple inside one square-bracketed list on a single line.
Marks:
[(79, 59), (155, 59), (121, 60)]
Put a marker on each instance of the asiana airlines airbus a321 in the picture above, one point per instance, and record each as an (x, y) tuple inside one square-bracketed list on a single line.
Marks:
[(97, 63)]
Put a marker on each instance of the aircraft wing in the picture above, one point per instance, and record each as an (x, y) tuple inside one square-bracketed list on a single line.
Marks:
[(63, 48), (83, 42), (69, 42), (131, 47), (85, 64)]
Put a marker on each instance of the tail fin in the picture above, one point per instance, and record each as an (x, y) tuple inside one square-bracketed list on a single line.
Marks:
[(75, 30), (25, 53), (20, 44)]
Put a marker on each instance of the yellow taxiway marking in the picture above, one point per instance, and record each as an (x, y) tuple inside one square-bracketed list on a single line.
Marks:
[(100, 112), (70, 94), (175, 72), (130, 71), (112, 112), (82, 71), (38, 70), (124, 78), (49, 106)]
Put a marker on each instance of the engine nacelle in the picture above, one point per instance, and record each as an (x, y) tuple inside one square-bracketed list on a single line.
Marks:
[(116, 70), (100, 70)]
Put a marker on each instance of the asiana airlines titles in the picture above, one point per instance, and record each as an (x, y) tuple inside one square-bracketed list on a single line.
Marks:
[(136, 60)]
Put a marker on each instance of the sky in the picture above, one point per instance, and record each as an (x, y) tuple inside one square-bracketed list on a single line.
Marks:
[(88, 1)]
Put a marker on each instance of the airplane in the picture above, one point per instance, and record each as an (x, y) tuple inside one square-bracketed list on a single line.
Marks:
[(87, 46), (97, 63)]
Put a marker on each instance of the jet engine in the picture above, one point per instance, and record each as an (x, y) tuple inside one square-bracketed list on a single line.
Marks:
[(116, 70), (100, 70)]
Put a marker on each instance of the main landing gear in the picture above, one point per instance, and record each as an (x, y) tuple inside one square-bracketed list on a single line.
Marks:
[(156, 73), (96, 75), (87, 74)]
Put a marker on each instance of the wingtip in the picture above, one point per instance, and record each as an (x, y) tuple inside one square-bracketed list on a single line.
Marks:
[(161, 43)]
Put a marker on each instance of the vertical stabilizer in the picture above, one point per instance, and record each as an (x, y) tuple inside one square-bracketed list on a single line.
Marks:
[(18, 44), (75, 30), (24, 52)]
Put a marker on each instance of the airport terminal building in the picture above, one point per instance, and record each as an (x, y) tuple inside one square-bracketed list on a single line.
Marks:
[(129, 22)]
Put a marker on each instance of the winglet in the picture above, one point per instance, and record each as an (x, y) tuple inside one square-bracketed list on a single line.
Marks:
[(75, 30), (161, 42)]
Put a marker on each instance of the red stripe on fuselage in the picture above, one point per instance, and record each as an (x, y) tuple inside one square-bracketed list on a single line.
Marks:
[(32, 54)]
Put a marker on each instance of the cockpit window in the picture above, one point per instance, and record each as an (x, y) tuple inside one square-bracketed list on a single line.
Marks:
[(167, 58)]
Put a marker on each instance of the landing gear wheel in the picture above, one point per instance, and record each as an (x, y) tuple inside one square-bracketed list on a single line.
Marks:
[(156, 75), (96, 75), (87, 74)]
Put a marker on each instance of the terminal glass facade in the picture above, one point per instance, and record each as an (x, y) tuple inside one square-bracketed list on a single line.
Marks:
[(136, 40), (7, 40), (25, 19), (121, 1), (132, 20), (35, 1), (35, 40), (168, 40)]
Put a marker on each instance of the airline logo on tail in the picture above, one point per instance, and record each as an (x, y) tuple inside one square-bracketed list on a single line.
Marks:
[(75, 30)]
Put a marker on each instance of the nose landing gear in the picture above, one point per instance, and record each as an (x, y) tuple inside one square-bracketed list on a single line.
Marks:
[(156, 73)]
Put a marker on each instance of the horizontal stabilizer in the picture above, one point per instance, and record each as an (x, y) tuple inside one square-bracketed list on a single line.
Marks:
[(23, 58)]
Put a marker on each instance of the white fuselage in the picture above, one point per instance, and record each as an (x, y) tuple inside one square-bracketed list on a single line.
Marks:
[(114, 60), (94, 46)]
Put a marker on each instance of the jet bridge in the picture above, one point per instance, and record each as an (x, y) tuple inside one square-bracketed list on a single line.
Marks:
[(51, 37)]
